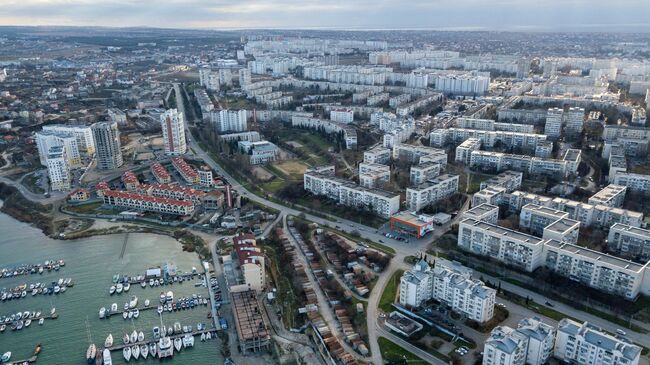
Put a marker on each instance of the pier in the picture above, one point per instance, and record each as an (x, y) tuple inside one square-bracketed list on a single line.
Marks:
[(155, 307), (194, 333), (31, 360)]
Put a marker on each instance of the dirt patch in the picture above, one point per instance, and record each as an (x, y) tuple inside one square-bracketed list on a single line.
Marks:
[(261, 173), (294, 144), (291, 168)]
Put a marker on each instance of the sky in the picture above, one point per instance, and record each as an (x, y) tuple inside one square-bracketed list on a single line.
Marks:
[(534, 15)]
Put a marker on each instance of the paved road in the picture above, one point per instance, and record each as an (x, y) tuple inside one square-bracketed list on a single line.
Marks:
[(324, 308), (29, 195)]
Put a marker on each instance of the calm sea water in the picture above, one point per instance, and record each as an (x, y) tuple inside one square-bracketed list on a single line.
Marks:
[(91, 263)]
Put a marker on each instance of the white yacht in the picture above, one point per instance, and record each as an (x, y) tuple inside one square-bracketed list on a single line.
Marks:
[(109, 340), (188, 341), (134, 336), (119, 288), (134, 302), (126, 351), (102, 312), (178, 344), (107, 357), (165, 347), (144, 351), (140, 336), (135, 350), (136, 313)]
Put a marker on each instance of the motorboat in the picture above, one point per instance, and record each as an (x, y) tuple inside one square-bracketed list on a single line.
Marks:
[(41, 321), (156, 333), (113, 307), (170, 331), (126, 351), (140, 336), (170, 296), (178, 344), (153, 349), (177, 328), (136, 313), (109, 340), (163, 297), (102, 312), (107, 357), (125, 314), (143, 284), (130, 314), (144, 351), (112, 289), (165, 348), (135, 350), (3, 327), (57, 289), (28, 322), (91, 353), (160, 309), (126, 339), (146, 302), (127, 286), (208, 336), (6, 356), (53, 311), (134, 336), (202, 337), (119, 288), (126, 306)]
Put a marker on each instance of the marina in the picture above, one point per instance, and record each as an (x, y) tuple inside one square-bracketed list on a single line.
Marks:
[(129, 309), (24, 290), (23, 320), (90, 262), (30, 360), (29, 269)]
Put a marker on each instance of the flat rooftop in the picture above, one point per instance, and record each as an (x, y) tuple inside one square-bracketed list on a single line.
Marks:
[(516, 235), (481, 209), (563, 225), (591, 255)]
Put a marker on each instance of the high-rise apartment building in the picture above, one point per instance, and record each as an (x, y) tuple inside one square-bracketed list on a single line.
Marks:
[(173, 132), (107, 145)]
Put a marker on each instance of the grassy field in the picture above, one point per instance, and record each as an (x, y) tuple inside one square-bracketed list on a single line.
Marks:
[(390, 292), (394, 353), (273, 186), (90, 208)]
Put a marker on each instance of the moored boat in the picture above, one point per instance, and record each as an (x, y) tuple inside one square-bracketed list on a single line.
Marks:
[(109, 340), (91, 353), (126, 352)]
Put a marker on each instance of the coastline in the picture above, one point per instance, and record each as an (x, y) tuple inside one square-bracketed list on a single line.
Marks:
[(15, 205)]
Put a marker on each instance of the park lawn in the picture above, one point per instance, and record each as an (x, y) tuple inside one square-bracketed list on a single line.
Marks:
[(392, 352), (273, 186), (390, 292)]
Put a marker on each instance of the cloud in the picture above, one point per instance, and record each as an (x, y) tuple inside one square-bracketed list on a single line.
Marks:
[(377, 14)]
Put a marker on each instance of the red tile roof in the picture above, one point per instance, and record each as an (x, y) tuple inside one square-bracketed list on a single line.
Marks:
[(102, 185), (184, 168), (147, 198), (130, 177), (159, 170)]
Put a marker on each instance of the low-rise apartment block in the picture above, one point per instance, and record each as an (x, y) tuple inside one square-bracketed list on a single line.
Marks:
[(373, 175), (505, 245), (377, 155), (629, 241), (147, 203), (483, 212), (187, 172), (321, 181), (464, 150), (586, 344), (436, 189), (595, 269), (423, 172), (510, 180), (635, 182), (612, 196), (160, 173), (490, 195)]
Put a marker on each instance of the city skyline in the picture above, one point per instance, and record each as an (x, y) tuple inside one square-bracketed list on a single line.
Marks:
[(508, 15)]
